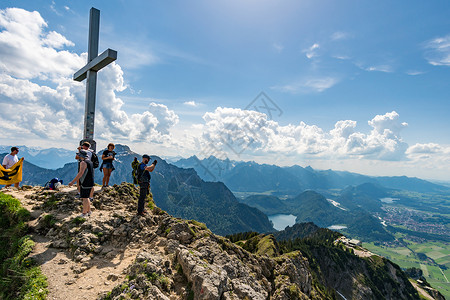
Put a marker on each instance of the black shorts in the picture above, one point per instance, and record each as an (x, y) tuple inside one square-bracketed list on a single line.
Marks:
[(85, 192)]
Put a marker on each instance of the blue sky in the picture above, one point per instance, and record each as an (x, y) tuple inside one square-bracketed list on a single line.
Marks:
[(362, 85)]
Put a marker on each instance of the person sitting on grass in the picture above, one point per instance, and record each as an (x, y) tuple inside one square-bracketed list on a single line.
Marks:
[(86, 177)]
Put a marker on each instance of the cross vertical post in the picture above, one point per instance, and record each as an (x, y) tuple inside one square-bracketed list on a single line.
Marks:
[(95, 63), (91, 76)]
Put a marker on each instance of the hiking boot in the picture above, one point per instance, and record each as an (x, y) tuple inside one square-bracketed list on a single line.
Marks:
[(142, 214), (83, 215)]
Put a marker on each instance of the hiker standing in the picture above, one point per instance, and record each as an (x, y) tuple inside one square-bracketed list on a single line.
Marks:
[(107, 165), (10, 160), (143, 177), (87, 147), (134, 167), (86, 180)]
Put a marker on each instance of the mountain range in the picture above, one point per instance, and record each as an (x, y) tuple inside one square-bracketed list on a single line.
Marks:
[(51, 158), (183, 189), (181, 192), (242, 176)]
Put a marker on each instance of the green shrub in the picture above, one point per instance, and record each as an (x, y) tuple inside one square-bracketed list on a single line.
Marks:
[(19, 277), (49, 221)]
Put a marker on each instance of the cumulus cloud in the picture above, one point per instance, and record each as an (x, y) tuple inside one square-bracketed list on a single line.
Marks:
[(28, 51), (424, 148), (438, 53), (235, 131), (39, 98)]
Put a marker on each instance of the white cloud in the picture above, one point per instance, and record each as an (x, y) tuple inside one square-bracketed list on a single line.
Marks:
[(424, 148), (278, 47), (339, 35), (28, 51), (235, 131), (134, 55), (308, 85), (380, 68), (342, 57), (311, 51), (414, 72), (56, 40), (320, 84), (439, 51), (191, 103), (54, 109)]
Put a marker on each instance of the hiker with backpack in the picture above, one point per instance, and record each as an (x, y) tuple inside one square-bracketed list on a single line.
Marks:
[(107, 165), (85, 178), (143, 176), (86, 146)]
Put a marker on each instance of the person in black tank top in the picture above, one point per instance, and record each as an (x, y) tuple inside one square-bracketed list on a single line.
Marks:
[(143, 177), (86, 177)]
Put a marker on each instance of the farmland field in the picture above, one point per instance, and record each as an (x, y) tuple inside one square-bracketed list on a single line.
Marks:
[(436, 268)]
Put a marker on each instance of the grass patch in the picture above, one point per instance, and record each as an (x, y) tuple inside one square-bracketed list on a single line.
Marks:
[(78, 220), (19, 277), (51, 202), (49, 221)]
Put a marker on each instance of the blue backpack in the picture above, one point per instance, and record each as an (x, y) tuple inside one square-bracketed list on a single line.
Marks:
[(50, 185)]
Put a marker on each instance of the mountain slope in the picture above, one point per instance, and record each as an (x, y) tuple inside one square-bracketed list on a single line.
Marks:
[(116, 254), (333, 264)]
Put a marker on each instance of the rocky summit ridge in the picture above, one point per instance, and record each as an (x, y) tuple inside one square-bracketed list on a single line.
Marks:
[(115, 254)]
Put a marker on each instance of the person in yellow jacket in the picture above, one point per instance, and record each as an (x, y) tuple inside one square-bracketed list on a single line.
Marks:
[(10, 160)]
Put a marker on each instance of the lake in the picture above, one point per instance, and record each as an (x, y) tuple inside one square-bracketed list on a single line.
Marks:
[(388, 200), (337, 227), (281, 221)]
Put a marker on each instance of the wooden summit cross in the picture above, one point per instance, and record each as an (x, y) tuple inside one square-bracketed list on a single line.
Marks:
[(94, 64)]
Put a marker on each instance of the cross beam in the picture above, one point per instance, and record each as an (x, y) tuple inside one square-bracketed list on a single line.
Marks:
[(98, 63), (89, 72)]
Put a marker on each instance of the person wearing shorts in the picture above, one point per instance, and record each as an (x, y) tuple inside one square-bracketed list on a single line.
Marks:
[(86, 179), (107, 165)]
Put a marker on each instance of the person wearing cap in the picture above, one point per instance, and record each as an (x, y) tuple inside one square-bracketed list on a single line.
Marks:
[(143, 177), (85, 146), (86, 180)]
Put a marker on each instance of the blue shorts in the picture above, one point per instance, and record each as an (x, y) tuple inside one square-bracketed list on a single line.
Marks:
[(107, 165)]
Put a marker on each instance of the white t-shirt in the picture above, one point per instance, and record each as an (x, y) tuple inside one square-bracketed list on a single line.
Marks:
[(89, 153), (9, 160)]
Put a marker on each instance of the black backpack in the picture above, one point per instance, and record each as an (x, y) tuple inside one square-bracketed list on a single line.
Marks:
[(94, 160), (140, 173)]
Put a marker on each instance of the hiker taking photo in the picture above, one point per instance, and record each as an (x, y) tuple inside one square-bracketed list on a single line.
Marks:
[(143, 176)]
